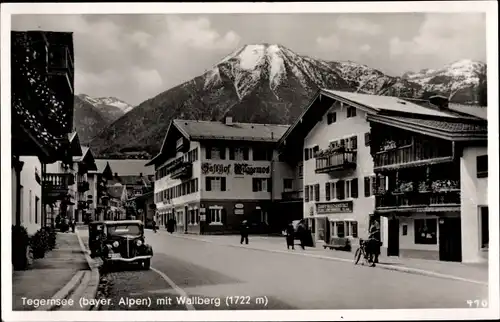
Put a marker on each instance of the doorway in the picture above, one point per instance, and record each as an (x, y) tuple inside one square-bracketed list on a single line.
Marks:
[(485, 231), (393, 238), (328, 227), (186, 219), (450, 239)]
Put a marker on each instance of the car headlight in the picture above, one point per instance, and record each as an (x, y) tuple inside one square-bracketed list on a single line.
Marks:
[(139, 243), (116, 244)]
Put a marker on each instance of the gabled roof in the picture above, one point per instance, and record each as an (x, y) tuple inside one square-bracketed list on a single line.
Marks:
[(132, 180), (88, 157), (101, 165), (371, 104), (476, 111), (76, 148), (459, 130), (203, 130)]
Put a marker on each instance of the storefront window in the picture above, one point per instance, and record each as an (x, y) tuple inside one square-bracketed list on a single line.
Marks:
[(340, 229), (354, 228), (426, 231)]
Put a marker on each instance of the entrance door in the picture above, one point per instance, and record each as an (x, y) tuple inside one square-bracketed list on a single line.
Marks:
[(186, 220), (328, 227), (450, 239), (393, 238), (485, 231)]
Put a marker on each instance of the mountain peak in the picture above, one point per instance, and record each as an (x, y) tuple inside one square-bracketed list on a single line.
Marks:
[(109, 101)]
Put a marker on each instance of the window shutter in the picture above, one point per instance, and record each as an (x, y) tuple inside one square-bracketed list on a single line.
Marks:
[(354, 188), (254, 184), (208, 151), (306, 154), (316, 192), (222, 184), (269, 182), (373, 185), (222, 153), (354, 142), (208, 184), (367, 139), (340, 189), (367, 186), (306, 193), (245, 154), (327, 191), (208, 215), (231, 153), (223, 215)]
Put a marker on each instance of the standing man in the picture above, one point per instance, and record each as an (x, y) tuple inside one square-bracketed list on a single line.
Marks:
[(154, 222), (374, 239), (244, 232), (290, 236)]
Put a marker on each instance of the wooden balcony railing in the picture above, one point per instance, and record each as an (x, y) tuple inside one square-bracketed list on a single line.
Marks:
[(413, 200), (410, 154), (336, 160), (183, 170), (56, 184), (292, 195)]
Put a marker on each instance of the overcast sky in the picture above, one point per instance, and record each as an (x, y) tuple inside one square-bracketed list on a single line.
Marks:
[(135, 57)]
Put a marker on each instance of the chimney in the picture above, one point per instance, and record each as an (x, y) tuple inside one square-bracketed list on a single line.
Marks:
[(439, 101), (272, 135), (228, 120)]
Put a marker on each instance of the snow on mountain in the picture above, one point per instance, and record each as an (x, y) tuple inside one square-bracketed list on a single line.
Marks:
[(102, 102)]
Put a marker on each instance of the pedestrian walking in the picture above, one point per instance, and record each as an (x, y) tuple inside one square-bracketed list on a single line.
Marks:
[(73, 224), (154, 225), (171, 225), (244, 232), (302, 233), (374, 241), (290, 236)]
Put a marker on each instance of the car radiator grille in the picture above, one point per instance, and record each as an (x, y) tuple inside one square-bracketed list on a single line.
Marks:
[(128, 248)]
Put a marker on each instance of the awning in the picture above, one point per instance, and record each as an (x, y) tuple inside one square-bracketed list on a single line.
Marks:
[(342, 219)]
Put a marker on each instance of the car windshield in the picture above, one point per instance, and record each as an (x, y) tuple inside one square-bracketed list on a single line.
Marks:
[(125, 229)]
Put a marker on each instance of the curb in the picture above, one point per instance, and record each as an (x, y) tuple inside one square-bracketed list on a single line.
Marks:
[(64, 292), (90, 289), (403, 269)]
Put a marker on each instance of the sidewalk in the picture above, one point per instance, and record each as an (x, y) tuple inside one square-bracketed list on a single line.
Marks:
[(46, 276), (477, 273)]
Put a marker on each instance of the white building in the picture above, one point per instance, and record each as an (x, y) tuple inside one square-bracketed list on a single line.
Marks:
[(212, 175)]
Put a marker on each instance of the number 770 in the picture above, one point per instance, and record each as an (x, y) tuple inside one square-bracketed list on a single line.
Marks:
[(477, 303)]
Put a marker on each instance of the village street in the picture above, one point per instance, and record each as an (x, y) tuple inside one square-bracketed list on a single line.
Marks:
[(243, 278)]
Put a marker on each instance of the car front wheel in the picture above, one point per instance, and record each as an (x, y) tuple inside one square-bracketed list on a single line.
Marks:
[(146, 264)]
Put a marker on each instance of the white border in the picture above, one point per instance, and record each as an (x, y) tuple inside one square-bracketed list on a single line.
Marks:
[(489, 7)]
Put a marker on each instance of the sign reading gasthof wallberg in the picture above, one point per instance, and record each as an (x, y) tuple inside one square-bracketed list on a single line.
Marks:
[(215, 168), (244, 168), (333, 207)]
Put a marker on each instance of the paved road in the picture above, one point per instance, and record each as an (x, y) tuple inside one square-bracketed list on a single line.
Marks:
[(244, 278)]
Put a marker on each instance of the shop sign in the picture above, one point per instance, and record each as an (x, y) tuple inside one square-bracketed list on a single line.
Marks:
[(334, 207), (208, 168), (239, 206), (203, 217), (244, 168), (239, 211)]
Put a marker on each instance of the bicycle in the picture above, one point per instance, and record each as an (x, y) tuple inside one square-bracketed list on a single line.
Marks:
[(361, 251)]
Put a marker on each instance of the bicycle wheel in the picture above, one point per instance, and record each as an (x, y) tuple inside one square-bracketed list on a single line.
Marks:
[(357, 255)]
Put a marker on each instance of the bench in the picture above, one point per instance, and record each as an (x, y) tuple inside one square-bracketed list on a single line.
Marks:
[(339, 243)]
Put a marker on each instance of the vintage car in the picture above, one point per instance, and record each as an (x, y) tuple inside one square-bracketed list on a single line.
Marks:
[(123, 242)]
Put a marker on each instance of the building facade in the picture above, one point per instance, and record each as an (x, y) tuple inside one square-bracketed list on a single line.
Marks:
[(431, 184), (210, 176), (31, 194)]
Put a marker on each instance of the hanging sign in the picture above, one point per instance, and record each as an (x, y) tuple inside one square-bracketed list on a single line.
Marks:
[(244, 168), (215, 168), (239, 211)]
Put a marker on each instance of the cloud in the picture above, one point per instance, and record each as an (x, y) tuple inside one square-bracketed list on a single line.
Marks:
[(365, 47), (331, 42), (459, 34), (358, 25)]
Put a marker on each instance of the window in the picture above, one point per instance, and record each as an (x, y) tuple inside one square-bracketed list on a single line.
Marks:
[(215, 183), (367, 139), (340, 189), (354, 188), (37, 208), (327, 191), (311, 193), (426, 231), (261, 154), (301, 171), (348, 188), (485, 232), (194, 219), (306, 194), (340, 229), (331, 118), (215, 215), (261, 184), (316, 192), (367, 186), (482, 166), (405, 230), (315, 150), (351, 111), (238, 154), (354, 229), (288, 184)]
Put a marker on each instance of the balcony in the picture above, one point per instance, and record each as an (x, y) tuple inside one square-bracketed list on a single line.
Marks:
[(83, 186), (56, 184), (334, 160), (418, 201), (410, 156), (184, 170), (292, 195), (60, 67)]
